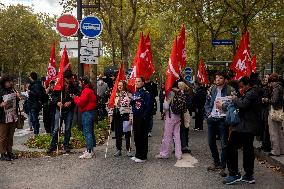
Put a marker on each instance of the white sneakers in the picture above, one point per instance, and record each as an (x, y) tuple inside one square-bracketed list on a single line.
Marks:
[(87, 155), (138, 160)]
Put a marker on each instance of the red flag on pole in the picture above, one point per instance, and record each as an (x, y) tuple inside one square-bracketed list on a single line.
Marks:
[(253, 64), (181, 48), (64, 65), (51, 69), (241, 62), (201, 74), (149, 66), (138, 66), (173, 71), (120, 77)]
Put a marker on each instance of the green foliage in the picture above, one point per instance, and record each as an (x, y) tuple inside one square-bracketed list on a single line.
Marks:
[(77, 138), (25, 39)]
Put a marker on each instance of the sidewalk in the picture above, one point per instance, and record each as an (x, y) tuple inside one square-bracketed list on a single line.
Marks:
[(277, 161)]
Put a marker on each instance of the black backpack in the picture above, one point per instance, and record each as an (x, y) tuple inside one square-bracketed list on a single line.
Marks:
[(179, 104)]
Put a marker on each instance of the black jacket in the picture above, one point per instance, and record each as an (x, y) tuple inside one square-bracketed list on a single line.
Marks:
[(249, 111), (66, 97), (37, 95)]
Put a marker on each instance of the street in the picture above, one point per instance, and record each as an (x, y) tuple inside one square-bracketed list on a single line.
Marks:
[(68, 171)]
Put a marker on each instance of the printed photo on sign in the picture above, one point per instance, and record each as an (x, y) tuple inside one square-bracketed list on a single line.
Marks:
[(10, 108)]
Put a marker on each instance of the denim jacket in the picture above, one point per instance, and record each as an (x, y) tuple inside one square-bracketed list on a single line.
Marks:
[(226, 91)]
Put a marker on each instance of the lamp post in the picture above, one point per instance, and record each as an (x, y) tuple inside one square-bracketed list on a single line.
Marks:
[(234, 33), (272, 39)]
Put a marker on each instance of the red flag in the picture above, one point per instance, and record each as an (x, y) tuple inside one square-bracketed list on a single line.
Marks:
[(138, 64), (201, 74), (149, 66), (241, 62), (64, 65), (120, 77), (51, 69), (253, 64), (181, 48), (173, 70)]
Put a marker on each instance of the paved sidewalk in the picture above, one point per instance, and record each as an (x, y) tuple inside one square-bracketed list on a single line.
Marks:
[(66, 172)]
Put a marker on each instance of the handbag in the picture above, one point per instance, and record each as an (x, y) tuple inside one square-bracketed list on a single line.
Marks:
[(276, 115), (20, 121)]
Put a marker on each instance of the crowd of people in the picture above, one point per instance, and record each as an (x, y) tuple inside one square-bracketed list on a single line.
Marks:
[(236, 112)]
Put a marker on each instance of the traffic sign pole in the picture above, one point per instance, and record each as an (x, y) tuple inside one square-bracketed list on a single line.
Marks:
[(80, 36)]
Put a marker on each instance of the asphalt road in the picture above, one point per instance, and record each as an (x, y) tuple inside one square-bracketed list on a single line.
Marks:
[(66, 172)]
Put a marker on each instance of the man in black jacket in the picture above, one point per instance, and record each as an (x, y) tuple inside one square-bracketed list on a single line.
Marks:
[(67, 111), (242, 134), (37, 97)]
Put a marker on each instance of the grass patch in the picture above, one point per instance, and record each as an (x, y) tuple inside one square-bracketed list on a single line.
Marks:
[(77, 140)]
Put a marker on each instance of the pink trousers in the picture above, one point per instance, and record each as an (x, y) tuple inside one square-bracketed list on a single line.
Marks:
[(171, 131)]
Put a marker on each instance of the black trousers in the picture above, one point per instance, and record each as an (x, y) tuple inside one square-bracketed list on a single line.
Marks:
[(118, 126), (199, 117), (236, 141), (140, 129)]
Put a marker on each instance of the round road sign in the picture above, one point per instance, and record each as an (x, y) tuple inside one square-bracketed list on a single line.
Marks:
[(91, 27), (67, 25)]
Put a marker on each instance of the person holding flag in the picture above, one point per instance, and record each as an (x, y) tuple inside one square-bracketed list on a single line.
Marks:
[(64, 90), (120, 112)]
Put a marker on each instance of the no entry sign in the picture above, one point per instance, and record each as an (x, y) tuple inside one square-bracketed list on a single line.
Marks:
[(67, 25)]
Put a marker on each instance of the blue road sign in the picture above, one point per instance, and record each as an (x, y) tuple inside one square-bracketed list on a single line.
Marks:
[(187, 78), (188, 70), (222, 42), (91, 27)]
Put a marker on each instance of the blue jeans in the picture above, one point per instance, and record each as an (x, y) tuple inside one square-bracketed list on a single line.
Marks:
[(34, 119), (67, 117), (217, 127), (88, 121)]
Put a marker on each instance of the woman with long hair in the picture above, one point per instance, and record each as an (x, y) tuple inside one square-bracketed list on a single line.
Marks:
[(8, 118), (121, 117), (87, 103)]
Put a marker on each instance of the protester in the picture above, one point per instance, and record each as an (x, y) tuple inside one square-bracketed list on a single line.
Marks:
[(37, 96), (199, 102), (8, 118), (64, 112), (49, 108), (102, 89), (162, 95), (276, 102), (185, 117), (141, 115), (216, 123), (26, 108), (242, 134), (264, 132), (122, 118), (87, 103), (152, 88)]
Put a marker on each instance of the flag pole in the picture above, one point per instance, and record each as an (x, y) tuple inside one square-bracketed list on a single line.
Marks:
[(59, 126), (109, 131)]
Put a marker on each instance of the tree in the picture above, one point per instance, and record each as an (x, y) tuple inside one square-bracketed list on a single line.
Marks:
[(25, 40)]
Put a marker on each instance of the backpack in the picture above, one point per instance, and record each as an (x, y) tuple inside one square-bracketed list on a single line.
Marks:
[(179, 104), (232, 115)]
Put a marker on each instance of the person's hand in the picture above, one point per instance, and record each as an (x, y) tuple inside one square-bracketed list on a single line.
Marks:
[(110, 119), (130, 121), (3, 104), (67, 104), (59, 104), (264, 100)]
